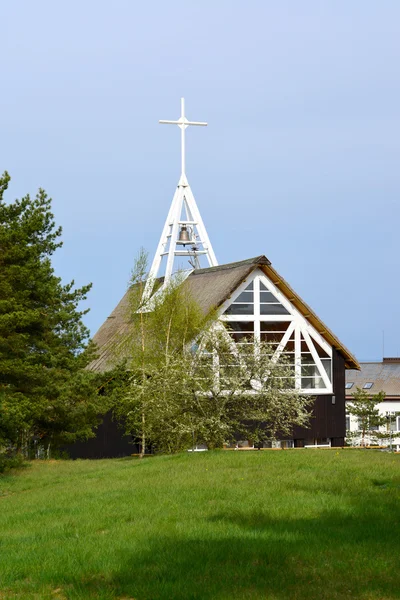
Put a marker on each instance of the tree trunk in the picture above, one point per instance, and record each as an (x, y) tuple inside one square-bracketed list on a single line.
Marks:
[(143, 448)]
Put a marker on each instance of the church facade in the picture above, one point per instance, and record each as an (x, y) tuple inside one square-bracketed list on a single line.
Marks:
[(256, 305)]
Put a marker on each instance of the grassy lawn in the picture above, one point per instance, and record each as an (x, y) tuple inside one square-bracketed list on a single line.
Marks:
[(300, 524)]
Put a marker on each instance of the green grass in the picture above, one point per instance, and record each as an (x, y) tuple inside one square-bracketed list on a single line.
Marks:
[(212, 526)]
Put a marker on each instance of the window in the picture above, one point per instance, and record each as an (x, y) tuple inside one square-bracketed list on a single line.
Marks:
[(349, 385), (259, 313), (241, 331), (394, 423), (269, 304), (368, 385), (311, 377), (243, 304), (287, 444), (347, 423), (369, 424)]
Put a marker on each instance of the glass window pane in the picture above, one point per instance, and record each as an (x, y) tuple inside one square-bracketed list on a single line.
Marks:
[(240, 309), (271, 337), (250, 286), (240, 325), (309, 371), (274, 326), (315, 383), (245, 297), (267, 297), (320, 351), (306, 358), (242, 336), (327, 364), (273, 309)]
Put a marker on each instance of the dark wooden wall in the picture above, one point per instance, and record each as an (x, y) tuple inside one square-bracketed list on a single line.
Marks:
[(110, 442), (329, 413)]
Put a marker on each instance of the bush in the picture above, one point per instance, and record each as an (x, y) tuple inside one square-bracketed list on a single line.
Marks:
[(8, 462)]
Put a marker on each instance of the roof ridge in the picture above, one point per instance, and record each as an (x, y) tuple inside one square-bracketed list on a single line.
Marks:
[(257, 260)]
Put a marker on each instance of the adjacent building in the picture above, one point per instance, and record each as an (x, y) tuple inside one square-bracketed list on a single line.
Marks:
[(375, 377)]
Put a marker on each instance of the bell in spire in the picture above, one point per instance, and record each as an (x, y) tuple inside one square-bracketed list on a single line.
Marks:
[(184, 236)]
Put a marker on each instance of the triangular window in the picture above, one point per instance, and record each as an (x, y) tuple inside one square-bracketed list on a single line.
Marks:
[(311, 377)]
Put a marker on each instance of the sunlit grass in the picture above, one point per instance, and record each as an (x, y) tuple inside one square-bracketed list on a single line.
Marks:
[(299, 524)]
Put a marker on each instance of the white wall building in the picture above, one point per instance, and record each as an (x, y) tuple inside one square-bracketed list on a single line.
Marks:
[(375, 377)]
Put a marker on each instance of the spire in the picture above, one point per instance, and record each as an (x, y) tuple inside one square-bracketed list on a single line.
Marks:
[(184, 233)]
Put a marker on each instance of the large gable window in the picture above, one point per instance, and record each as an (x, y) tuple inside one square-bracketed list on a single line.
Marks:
[(259, 312)]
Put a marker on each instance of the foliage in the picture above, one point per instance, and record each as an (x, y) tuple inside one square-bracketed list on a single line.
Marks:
[(8, 462), (189, 383), (365, 408), (261, 525), (46, 396), (241, 390), (154, 355)]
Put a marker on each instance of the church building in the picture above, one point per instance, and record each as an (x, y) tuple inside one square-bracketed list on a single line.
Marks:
[(257, 304)]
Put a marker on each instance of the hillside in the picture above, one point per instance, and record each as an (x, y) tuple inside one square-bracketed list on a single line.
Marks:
[(245, 525)]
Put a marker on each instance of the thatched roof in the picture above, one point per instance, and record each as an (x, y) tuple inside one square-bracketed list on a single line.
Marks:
[(211, 288)]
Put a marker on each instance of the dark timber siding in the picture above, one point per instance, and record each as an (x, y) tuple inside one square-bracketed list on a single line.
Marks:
[(328, 420), (110, 442)]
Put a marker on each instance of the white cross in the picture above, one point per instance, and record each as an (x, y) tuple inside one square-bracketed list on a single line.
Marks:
[(183, 123)]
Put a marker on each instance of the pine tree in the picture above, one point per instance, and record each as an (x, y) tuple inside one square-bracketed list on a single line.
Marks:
[(46, 396), (371, 424)]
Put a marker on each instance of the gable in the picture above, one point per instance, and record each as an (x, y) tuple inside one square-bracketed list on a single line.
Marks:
[(258, 312), (216, 285)]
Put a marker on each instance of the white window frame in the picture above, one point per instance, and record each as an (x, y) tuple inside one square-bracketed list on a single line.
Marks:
[(298, 324)]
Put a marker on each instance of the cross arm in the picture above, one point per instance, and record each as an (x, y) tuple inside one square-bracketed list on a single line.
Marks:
[(181, 122), (196, 123)]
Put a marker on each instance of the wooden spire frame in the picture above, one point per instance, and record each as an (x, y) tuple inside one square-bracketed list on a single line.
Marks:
[(183, 211)]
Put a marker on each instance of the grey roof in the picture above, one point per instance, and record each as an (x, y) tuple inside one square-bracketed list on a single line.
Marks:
[(210, 287), (384, 375)]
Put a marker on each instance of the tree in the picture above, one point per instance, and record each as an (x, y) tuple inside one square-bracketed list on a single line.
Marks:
[(365, 408), (45, 393), (154, 354), (242, 390), (190, 383)]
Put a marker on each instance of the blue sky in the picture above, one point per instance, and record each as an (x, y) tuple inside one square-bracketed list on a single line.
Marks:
[(300, 160)]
